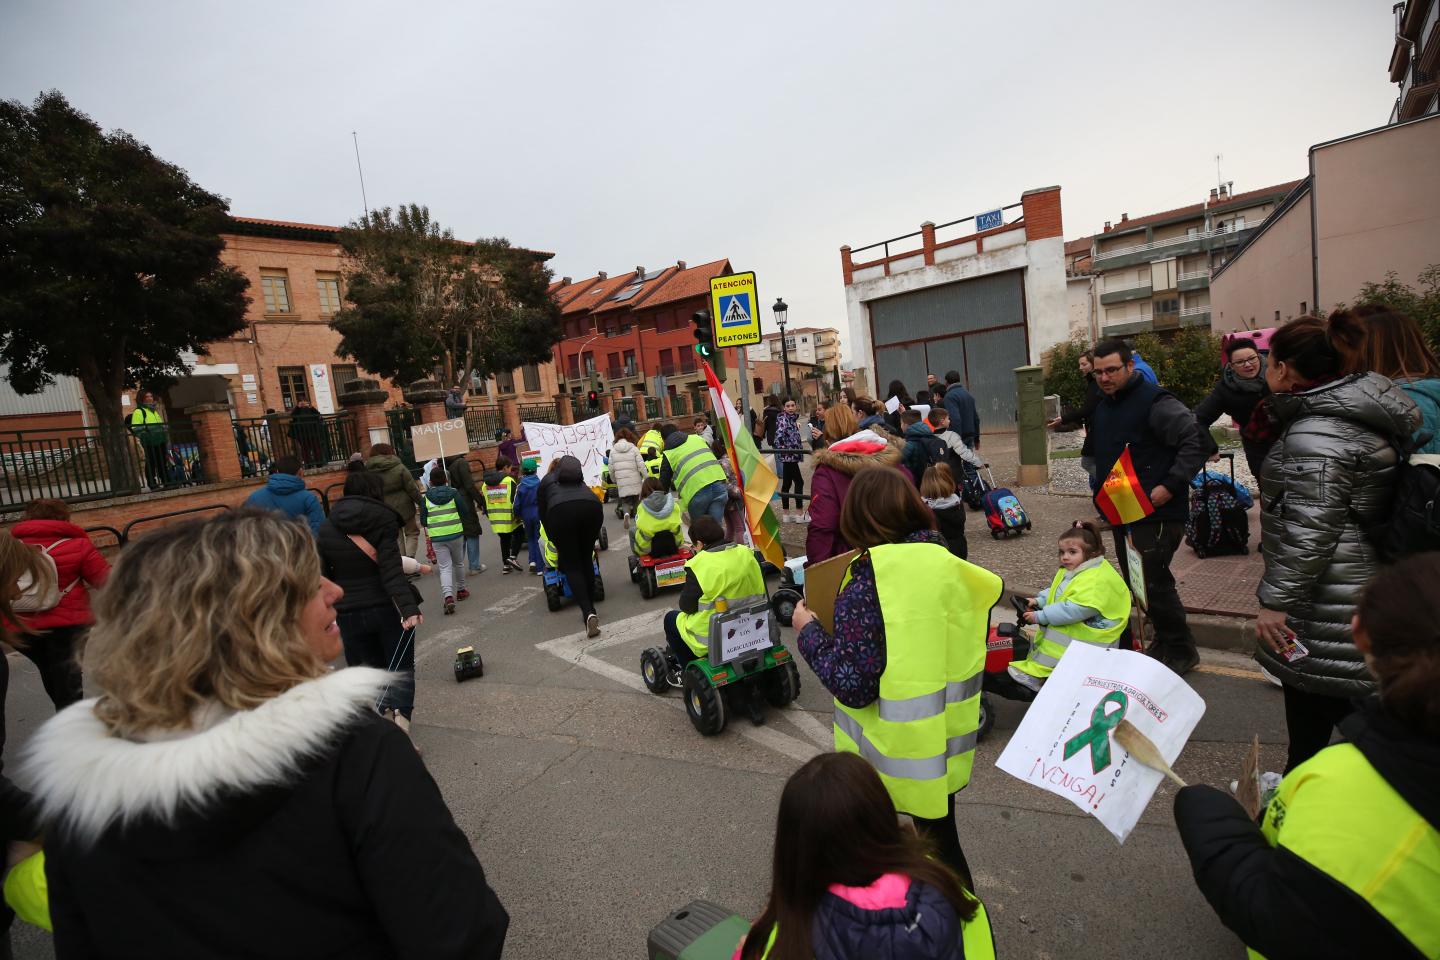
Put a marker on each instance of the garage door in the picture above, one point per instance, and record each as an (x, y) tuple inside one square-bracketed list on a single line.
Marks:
[(976, 327)]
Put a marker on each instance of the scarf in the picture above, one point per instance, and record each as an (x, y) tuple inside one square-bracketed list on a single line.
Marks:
[(1263, 426)]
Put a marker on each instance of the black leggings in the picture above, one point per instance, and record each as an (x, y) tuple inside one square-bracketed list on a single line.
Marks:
[(791, 482), (1310, 719), (53, 653), (510, 544), (945, 836), (573, 527)]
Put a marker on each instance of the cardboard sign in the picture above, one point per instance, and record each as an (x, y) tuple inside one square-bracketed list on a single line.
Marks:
[(588, 441), (822, 586), (1135, 564), (1066, 744), (744, 634), (447, 438), (670, 574)]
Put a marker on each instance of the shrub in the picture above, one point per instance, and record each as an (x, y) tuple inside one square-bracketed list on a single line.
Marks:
[(1063, 376), (1421, 305), (1188, 364)]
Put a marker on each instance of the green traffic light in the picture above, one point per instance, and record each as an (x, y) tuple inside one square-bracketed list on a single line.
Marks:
[(705, 350)]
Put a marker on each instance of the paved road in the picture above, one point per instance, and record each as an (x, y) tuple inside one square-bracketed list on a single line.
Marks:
[(596, 808)]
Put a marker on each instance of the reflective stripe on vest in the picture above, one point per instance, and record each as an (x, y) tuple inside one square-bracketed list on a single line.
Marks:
[(498, 506), (1387, 853), (1096, 585), (693, 467), (920, 733), (730, 572), (442, 520), (548, 549), (975, 934)]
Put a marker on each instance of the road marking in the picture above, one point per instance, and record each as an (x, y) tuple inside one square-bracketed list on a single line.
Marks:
[(813, 728), (1215, 668), (576, 648), (515, 601)]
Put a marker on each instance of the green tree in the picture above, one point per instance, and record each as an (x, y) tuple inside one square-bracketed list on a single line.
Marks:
[(1187, 364), (1063, 377), (109, 263), (1422, 305), (418, 300)]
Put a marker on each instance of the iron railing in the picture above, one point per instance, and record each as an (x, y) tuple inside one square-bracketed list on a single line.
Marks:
[(76, 463), (625, 406), (679, 404), (399, 419), (653, 408), (885, 244), (316, 441), (482, 422), (539, 413)]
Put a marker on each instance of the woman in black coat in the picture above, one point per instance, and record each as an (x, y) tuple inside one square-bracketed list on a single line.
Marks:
[(229, 796), (1241, 390), (572, 517)]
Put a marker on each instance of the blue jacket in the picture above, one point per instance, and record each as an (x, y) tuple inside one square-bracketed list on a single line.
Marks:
[(964, 418), (1145, 370), (1426, 394), (286, 493), (882, 923), (527, 497)]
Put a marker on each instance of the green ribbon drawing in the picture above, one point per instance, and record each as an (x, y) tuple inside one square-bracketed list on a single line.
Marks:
[(1097, 735)]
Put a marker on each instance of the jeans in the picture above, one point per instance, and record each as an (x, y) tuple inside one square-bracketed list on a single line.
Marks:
[(1157, 541), (472, 551), (532, 533), (450, 558), (1310, 718), (678, 646), (373, 638), (710, 499)]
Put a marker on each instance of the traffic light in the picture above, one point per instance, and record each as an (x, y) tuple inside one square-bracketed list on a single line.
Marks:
[(705, 342), (594, 399)]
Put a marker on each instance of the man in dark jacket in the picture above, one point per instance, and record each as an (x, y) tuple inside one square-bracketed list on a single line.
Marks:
[(285, 492), (307, 429), (458, 469), (960, 404), (455, 404), (1166, 451), (922, 447)]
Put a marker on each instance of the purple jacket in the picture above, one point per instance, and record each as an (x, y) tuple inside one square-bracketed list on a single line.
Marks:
[(835, 467)]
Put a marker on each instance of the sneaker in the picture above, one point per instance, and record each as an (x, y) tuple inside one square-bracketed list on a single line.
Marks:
[(505, 568), (626, 522), (1181, 661), (532, 569), (449, 605), (462, 594), (592, 626), (514, 564), (476, 571), (804, 518)]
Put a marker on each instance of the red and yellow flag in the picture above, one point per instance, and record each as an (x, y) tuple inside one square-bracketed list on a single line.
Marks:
[(1122, 498)]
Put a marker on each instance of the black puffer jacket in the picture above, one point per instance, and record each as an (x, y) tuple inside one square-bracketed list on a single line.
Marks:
[(367, 583), (1237, 398)]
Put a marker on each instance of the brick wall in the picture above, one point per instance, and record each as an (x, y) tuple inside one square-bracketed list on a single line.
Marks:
[(1042, 213)]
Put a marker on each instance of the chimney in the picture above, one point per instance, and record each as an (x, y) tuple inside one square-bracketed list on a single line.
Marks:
[(639, 272), (604, 275), (1214, 194), (680, 264), (1124, 217), (1224, 191), (566, 281), (1107, 226)]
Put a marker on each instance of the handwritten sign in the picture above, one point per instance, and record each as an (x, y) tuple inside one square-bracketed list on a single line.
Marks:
[(445, 438), (588, 441), (1135, 566), (1066, 744), (741, 635)]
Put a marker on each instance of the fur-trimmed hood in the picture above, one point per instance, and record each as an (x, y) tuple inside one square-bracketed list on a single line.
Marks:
[(86, 780), (860, 450)]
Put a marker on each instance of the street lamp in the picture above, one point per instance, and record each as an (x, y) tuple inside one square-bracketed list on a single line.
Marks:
[(780, 316)]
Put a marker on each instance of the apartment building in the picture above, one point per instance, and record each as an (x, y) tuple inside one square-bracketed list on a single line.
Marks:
[(816, 346), (1415, 60), (1152, 273)]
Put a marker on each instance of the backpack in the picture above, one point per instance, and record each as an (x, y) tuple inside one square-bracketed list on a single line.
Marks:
[(1217, 524), (38, 597), (1414, 522)]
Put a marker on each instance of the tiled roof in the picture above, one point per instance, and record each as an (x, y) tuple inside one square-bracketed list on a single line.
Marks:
[(1196, 209), (331, 231), (684, 284), (597, 294), (562, 293), (635, 301)]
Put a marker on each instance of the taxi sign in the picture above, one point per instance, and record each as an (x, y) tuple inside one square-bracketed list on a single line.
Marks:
[(735, 305)]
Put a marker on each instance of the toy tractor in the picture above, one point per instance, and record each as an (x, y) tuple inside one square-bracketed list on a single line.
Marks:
[(654, 574), (468, 664), (791, 590), (557, 586), (746, 661)]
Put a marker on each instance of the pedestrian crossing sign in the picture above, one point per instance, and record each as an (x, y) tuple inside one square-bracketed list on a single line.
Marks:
[(734, 303)]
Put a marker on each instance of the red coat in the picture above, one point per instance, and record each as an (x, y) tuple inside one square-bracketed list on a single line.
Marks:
[(76, 559)]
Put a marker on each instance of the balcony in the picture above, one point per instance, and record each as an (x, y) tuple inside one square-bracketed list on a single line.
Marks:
[(1194, 280), (1173, 247), (1195, 316), (1125, 295), (618, 374), (1416, 91), (1129, 325)]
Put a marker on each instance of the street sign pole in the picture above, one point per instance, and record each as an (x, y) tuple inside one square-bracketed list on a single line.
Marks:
[(735, 305)]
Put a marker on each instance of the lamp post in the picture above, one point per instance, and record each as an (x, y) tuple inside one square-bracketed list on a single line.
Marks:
[(780, 316)]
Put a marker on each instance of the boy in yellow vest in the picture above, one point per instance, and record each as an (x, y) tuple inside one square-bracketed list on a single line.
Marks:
[(499, 493), (718, 569)]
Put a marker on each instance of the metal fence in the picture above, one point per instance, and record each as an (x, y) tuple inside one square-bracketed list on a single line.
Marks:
[(315, 441), (400, 419), (482, 421), (679, 404), (75, 463), (539, 413), (653, 408)]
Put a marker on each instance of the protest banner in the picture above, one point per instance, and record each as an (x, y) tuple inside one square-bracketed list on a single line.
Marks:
[(444, 438), (1065, 744), (588, 441)]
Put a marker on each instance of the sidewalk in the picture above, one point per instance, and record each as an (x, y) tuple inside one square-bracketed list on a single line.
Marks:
[(1218, 591)]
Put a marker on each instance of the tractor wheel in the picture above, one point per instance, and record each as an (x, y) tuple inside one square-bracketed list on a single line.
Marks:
[(653, 669), (648, 586), (634, 569), (996, 534), (781, 684), (604, 539), (597, 592), (783, 603), (987, 717), (703, 702), (553, 597)]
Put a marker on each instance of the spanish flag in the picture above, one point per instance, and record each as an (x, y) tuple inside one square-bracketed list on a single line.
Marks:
[(1122, 498)]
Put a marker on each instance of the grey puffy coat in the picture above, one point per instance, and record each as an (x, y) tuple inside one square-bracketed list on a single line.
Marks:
[(627, 469), (1332, 470)]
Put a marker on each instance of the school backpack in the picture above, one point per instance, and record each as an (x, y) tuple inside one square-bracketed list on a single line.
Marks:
[(38, 597), (1217, 524), (1003, 513), (1414, 522)]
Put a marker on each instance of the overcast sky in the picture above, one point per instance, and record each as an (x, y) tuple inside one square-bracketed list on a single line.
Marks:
[(624, 134)]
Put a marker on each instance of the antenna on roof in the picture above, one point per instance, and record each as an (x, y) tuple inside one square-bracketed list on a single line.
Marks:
[(1219, 178), (363, 199)]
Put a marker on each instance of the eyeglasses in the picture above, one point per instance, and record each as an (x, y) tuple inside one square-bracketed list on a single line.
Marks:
[(1253, 361), (1108, 371)]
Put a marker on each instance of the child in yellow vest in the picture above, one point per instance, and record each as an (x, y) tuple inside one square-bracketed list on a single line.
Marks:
[(1087, 602), (499, 493)]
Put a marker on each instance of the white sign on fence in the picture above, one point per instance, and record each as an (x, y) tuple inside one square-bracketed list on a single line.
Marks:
[(444, 438), (320, 382), (588, 441), (1066, 743)]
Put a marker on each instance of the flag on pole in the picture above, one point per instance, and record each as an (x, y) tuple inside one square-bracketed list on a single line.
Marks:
[(753, 472), (1122, 498)]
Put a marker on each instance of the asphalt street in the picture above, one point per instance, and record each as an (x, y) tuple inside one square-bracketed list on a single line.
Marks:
[(596, 808)]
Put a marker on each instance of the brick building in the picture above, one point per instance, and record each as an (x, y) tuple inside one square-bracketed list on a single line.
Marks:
[(621, 332)]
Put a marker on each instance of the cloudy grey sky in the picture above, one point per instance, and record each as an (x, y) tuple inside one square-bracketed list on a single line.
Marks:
[(623, 134)]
